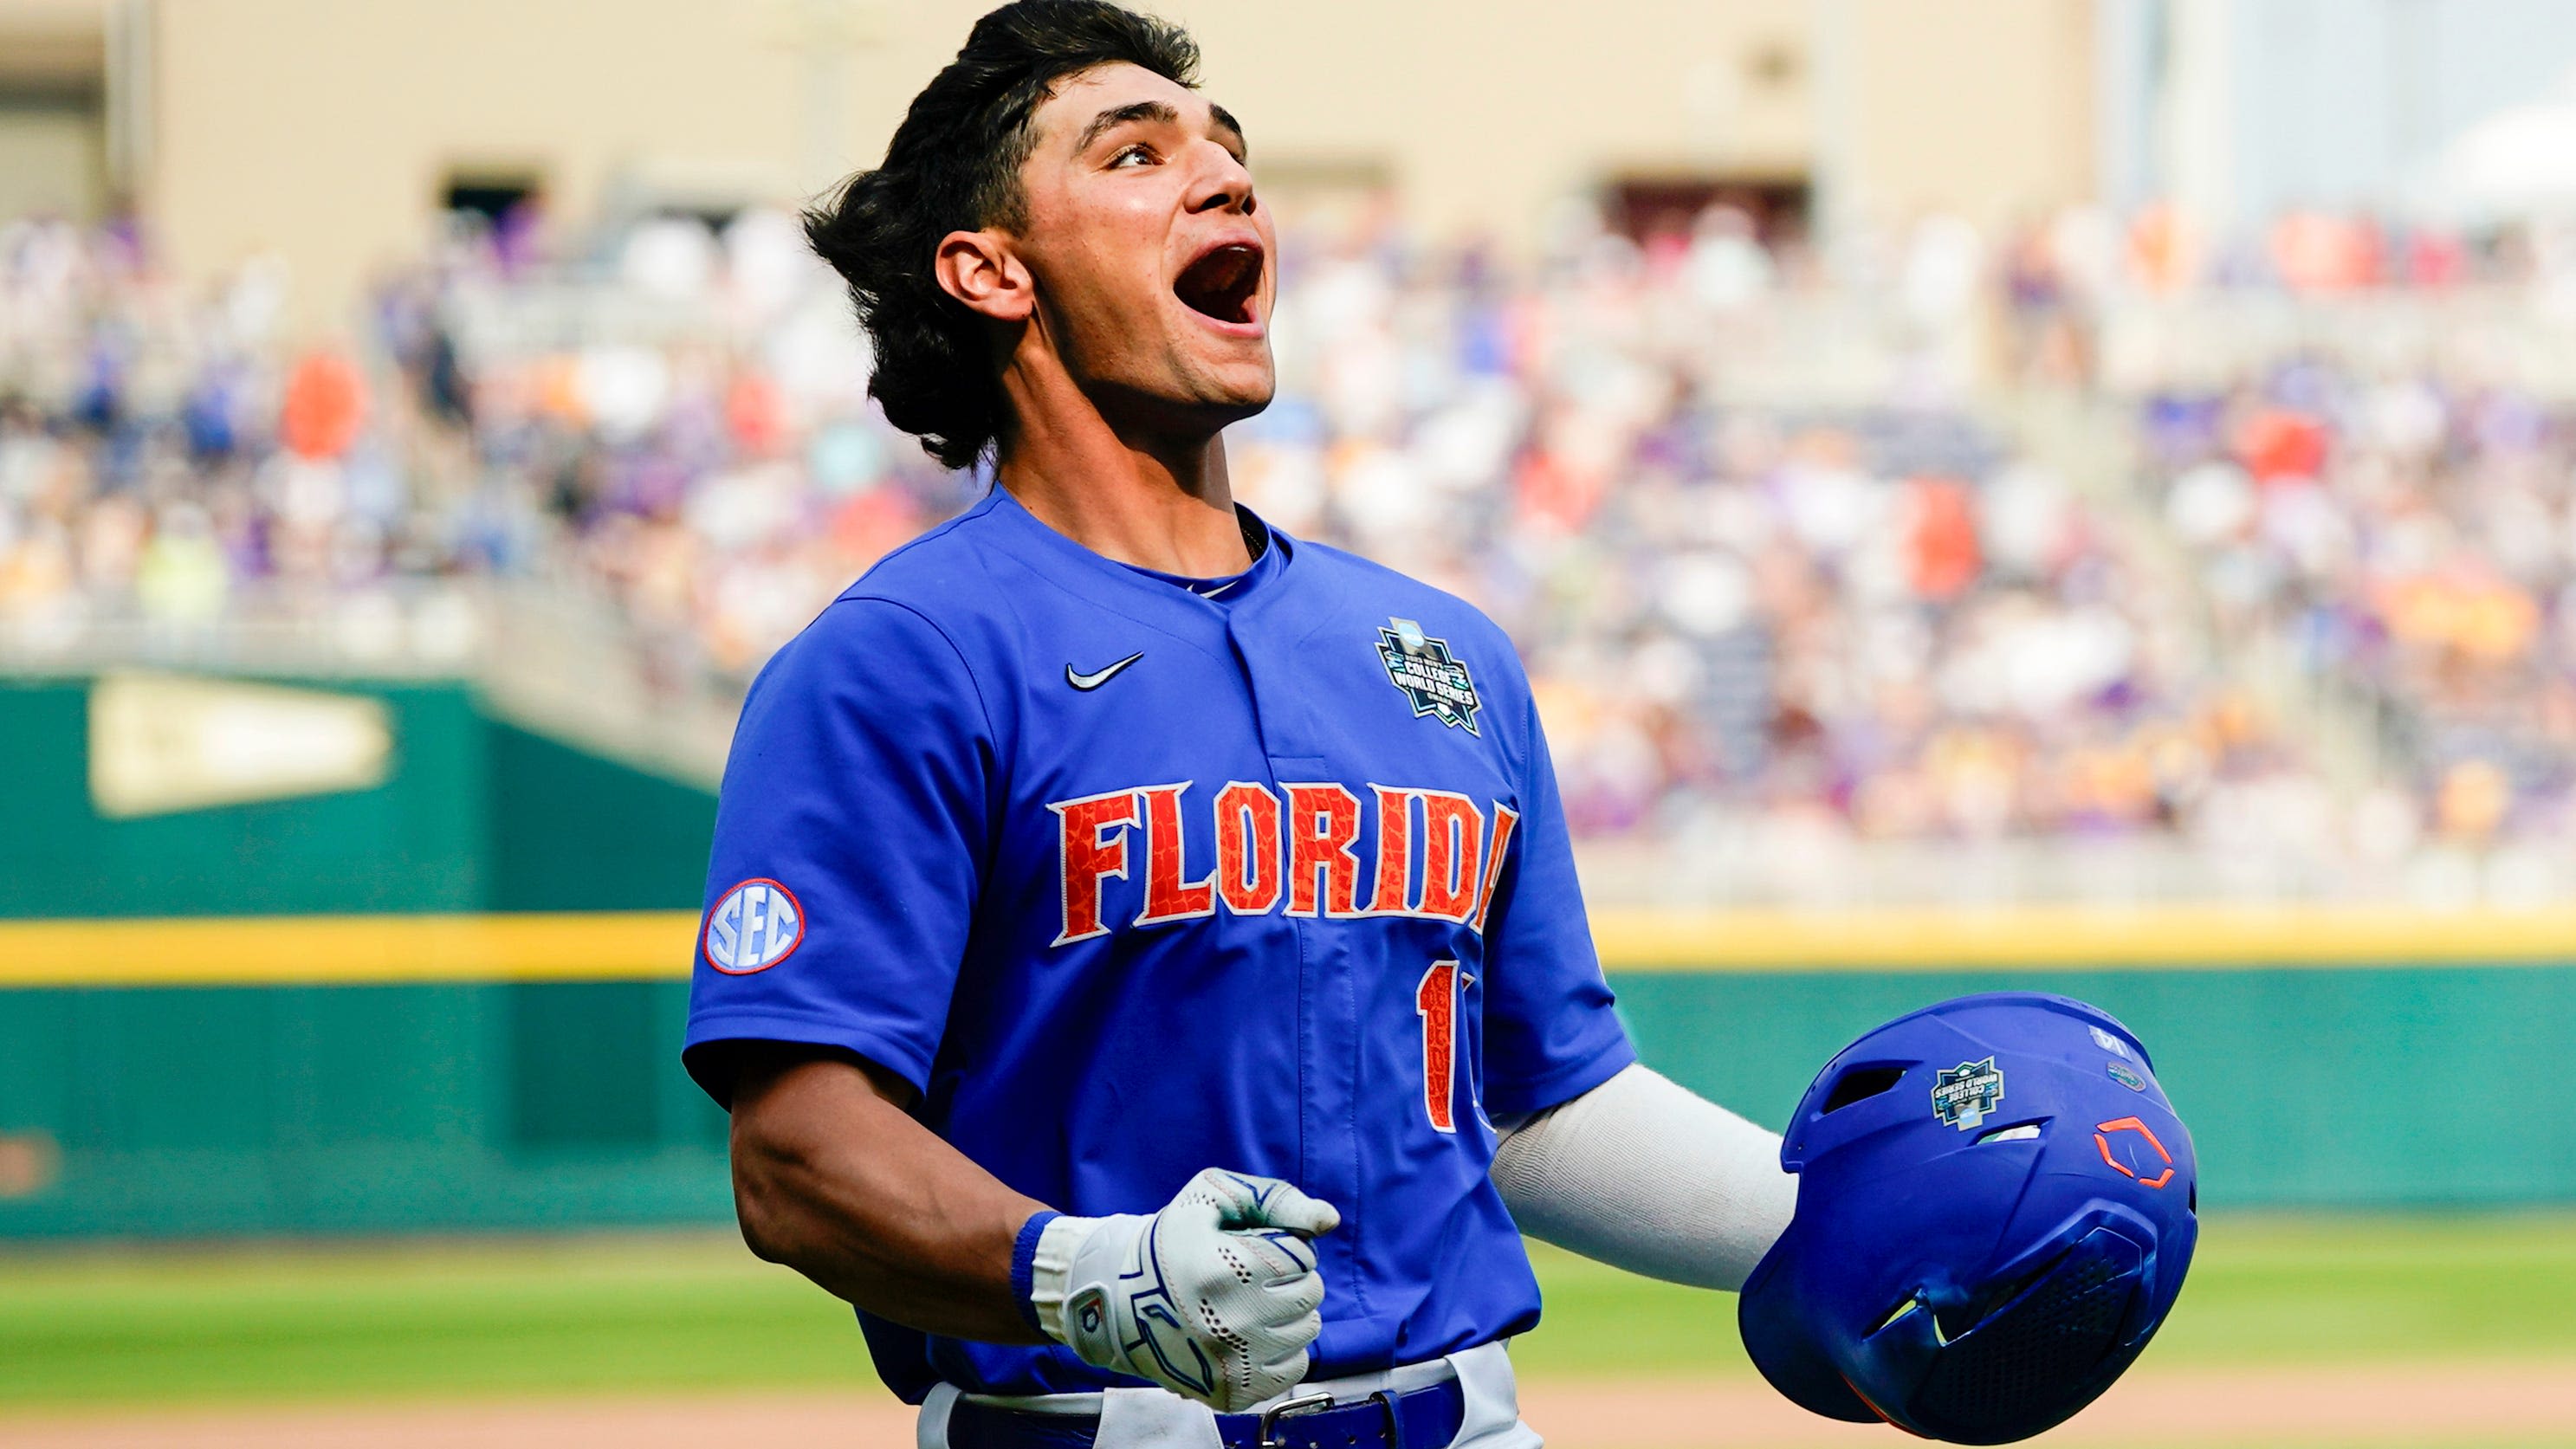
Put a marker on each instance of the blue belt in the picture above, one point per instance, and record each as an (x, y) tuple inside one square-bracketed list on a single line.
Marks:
[(1424, 1418)]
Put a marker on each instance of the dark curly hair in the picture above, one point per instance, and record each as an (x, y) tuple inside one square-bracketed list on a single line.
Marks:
[(954, 165)]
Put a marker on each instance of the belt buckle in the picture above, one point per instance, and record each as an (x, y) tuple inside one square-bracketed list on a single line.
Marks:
[(1284, 1409)]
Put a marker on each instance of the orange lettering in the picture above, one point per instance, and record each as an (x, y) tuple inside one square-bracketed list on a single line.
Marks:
[(1247, 848), (1094, 849), (1393, 895), (1504, 819), (1453, 831), (1323, 820), (1169, 897)]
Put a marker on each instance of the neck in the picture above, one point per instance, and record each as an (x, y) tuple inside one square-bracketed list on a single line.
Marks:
[(1158, 500)]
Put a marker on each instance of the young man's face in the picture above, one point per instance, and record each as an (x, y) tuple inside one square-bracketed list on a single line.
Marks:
[(1155, 268)]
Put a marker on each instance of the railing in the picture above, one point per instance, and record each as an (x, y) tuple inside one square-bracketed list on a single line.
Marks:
[(2523, 337), (551, 656)]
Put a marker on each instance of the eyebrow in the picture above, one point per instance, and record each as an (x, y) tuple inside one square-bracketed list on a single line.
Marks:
[(1161, 114), (1225, 119), (1117, 116)]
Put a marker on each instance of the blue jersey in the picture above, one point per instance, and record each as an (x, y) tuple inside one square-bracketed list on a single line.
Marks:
[(1129, 881)]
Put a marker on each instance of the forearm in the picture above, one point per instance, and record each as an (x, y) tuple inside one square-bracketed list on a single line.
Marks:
[(835, 1180), (1640, 1174)]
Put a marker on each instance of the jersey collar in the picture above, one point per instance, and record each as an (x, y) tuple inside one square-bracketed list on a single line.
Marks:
[(1228, 589), (1120, 586)]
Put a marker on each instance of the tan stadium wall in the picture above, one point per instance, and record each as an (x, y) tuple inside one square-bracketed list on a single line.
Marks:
[(323, 131)]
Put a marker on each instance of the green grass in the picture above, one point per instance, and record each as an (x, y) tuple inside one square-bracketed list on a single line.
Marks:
[(2262, 1290), (697, 1312), (417, 1320)]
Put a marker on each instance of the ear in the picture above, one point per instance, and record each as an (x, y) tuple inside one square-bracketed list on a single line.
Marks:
[(980, 269)]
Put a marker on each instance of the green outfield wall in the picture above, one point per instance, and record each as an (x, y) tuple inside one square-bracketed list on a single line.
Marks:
[(183, 1111), (2372, 1086), (370, 1011), (413, 845), (475, 814), (188, 1112)]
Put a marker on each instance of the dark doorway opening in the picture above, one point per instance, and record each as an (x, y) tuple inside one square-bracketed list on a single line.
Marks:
[(492, 198), (1643, 208)]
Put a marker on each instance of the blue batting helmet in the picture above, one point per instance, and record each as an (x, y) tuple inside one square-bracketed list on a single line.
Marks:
[(1996, 1205)]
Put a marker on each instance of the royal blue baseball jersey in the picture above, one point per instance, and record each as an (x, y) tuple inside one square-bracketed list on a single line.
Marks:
[(1129, 881)]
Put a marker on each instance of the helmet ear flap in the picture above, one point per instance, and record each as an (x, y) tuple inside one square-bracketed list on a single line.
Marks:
[(1769, 1315), (2040, 1355)]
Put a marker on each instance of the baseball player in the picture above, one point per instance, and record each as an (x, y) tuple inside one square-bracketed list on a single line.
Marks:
[(1142, 954)]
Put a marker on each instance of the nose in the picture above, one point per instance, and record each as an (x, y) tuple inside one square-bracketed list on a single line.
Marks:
[(1223, 183)]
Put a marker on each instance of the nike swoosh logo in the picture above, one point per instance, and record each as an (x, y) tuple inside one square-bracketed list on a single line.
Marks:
[(1099, 677)]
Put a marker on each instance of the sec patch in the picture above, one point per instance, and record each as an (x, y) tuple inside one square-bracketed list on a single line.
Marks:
[(757, 925)]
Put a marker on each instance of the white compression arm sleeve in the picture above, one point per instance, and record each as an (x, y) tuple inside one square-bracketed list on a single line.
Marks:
[(1642, 1175)]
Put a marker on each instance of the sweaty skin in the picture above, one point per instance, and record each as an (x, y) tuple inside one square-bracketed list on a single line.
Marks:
[(1116, 392), (1117, 388), (833, 1178)]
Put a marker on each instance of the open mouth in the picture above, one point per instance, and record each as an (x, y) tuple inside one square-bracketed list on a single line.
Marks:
[(1222, 283)]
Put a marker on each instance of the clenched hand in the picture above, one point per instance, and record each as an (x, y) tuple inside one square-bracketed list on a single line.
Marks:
[(1215, 1297)]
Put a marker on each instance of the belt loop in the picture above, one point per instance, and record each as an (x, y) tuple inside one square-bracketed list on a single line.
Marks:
[(1394, 1420)]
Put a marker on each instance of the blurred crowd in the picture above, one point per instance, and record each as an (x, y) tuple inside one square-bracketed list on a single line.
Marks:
[(1745, 508), (2407, 543), (678, 428), (1863, 613)]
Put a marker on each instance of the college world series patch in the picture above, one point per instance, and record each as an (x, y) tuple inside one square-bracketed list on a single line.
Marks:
[(1430, 677), (1964, 1094)]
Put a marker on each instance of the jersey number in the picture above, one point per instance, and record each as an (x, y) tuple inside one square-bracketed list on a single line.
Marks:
[(1436, 1000)]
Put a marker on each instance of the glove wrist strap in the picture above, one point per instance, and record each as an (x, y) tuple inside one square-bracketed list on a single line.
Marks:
[(1042, 1268)]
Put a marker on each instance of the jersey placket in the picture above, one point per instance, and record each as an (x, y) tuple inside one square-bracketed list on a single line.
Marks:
[(1265, 637)]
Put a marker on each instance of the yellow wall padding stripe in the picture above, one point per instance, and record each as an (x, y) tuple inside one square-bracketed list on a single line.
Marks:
[(344, 950), (651, 945), (2076, 937)]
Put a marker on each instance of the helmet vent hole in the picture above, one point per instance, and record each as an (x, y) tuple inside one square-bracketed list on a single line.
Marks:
[(1860, 1084)]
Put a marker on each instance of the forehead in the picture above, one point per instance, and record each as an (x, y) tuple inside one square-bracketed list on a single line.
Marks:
[(1077, 98)]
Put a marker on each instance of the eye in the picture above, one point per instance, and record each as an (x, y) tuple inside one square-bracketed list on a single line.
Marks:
[(1134, 155)]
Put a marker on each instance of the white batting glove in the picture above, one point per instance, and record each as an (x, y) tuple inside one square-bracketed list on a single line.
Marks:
[(1215, 1297)]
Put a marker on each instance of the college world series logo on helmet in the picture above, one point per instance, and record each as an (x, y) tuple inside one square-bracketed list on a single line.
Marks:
[(1963, 1095)]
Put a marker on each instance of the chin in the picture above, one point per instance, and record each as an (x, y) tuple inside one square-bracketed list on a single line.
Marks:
[(1198, 403), (1232, 401), (1235, 383), (1248, 394)]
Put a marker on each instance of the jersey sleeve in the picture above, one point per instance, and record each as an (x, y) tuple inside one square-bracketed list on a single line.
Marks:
[(850, 829), (1552, 1032)]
